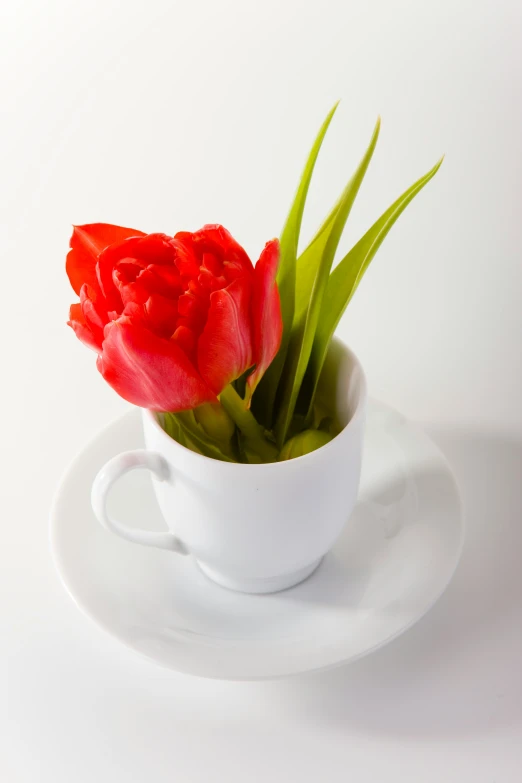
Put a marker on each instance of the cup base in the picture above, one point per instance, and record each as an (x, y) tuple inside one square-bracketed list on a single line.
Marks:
[(260, 585)]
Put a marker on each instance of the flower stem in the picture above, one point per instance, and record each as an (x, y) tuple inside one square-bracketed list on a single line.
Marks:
[(247, 424)]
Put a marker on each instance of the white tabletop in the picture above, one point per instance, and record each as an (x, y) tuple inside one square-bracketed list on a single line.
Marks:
[(168, 115)]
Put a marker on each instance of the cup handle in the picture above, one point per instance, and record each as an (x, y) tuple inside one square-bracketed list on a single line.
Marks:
[(109, 474)]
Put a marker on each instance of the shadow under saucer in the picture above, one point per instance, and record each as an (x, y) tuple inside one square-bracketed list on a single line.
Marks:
[(458, 671)]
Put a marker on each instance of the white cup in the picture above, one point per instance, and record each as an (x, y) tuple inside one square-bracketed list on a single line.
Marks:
[(252, 528)]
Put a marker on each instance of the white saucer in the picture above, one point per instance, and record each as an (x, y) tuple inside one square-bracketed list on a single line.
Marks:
[(396, 557)]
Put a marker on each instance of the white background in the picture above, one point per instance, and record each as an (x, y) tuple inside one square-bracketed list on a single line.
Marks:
[(167, 115)]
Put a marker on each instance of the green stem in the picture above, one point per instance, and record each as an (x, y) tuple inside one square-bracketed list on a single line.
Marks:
[(247, 424)]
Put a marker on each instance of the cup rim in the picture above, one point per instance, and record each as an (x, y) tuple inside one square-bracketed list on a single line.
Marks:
[(151, 416)]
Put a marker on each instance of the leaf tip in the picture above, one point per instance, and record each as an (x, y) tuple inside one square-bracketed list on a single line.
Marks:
[(376, 131), (438, 164), (333, 110)]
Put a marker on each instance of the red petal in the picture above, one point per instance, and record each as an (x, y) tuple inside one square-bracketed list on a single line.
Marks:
[(87, 242), (211, 264), (162, 315), (219, 237), (149, 371), (187, 340), (187, 261), (77, 322), (133, 292), (209, 282), (225, 345), (146, 249), (136, 312), (162, 279), (215, 239), (266, 314), (193, 311), (93, 309), (153, 249), (127, 271)]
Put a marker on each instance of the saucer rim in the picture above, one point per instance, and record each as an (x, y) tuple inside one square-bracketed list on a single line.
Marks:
[(373, 405)]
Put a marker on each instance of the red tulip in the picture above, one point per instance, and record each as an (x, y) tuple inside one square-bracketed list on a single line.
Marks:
[(173, 319)]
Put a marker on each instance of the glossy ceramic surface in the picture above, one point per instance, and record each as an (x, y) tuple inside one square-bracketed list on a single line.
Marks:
[(394, 559), (252, 528)]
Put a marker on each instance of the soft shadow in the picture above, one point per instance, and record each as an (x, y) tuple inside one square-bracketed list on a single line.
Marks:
[(386, 508), (458, 671)]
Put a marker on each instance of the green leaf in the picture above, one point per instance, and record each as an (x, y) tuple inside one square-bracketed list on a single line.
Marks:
[(309, 260), (307, 265), (215, 422), (173, 428), (304, 443), (286, 275), (346, 276), (313, 283), (184, 428), (246, 422)]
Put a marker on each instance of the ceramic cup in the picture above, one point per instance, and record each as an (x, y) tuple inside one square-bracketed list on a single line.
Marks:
[(252, 528)]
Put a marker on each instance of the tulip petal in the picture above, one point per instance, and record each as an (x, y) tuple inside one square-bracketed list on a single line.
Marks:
[(214, 239), (225, 345), (94, 312), (139, 251), (150, 371), (162, 315), (187, 340), (161, 279), (86, 243), (267, 324), (78, 324)]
